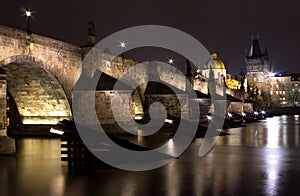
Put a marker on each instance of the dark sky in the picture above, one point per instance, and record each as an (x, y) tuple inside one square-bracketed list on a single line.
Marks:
[(222, 26)]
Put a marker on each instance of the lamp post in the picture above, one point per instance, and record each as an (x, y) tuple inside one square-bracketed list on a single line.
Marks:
[(28, 14), (123, 46)]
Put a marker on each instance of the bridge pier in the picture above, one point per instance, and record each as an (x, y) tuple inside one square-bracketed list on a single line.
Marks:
[(7, 145)]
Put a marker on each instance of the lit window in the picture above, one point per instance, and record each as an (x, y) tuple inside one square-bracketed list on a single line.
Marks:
[(283, 98), (277, 85), (276, 92), (107, 63), (283, 92)]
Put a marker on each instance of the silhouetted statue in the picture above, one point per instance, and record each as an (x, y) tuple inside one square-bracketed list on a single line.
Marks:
[(91, 30), (91, 36)]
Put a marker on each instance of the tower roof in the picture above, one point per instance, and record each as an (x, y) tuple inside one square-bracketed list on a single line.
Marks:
[(255, 51)]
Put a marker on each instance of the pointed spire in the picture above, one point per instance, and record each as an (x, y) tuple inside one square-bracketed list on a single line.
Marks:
[(255, 51), (266, 52)]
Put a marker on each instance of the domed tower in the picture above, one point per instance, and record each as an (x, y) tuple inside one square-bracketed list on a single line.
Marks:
[(216, 66), (215, 72)]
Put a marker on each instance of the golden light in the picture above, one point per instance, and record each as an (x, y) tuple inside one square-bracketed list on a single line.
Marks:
[(233, 84), (40, 121)]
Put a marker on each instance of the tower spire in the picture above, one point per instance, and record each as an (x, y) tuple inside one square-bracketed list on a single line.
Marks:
[(255, 51)]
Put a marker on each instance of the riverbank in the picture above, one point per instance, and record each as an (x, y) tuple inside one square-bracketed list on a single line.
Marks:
[(278, 111)]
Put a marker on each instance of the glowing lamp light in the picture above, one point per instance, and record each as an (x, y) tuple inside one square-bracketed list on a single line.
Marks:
[(28, 13), (243, 114), (56, 131), (171, 61), (256, 113), (208, 117), (263, 112), (229, 114), (122, 44), (168, 121)]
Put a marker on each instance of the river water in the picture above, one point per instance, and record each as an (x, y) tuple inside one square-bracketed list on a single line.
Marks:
[(259, 159)]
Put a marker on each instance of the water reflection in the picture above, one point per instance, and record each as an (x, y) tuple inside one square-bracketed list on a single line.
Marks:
[(259, 159), (272, 169), (273, 133), (37, 169), (273, 129)]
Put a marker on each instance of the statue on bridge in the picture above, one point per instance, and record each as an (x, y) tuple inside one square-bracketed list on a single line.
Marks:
[(91, 36), (91, 30)]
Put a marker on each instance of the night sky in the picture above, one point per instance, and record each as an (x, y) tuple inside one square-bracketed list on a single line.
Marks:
[(222, 26)]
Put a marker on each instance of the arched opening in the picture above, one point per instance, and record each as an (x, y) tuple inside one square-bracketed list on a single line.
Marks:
[(35, 97)]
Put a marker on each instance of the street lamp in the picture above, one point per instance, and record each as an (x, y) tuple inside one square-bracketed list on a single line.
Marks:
[(28, 15), (171, 61), (123, 46)]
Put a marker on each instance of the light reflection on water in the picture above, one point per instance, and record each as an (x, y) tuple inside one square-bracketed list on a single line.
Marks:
[(259, 159), (273, 129)]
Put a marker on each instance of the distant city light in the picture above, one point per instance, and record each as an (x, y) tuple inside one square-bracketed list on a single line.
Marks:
[(271, 74)]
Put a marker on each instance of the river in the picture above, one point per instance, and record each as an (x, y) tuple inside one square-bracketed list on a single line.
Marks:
[(259, 159)]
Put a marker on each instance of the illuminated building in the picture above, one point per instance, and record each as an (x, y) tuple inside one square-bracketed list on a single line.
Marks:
[(257, 65), (218, 69), (284, 89), (217, 66)]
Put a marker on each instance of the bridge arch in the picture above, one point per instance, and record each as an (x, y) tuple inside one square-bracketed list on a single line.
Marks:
[(38, 95)]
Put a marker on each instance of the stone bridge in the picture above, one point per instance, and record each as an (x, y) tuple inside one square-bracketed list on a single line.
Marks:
[(42, 71), (40, 75)]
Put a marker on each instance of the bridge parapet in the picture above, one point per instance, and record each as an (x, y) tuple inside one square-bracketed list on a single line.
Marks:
[(61, 59)]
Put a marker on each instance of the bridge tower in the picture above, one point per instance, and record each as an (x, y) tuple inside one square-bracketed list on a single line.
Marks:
[(257, 66)]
